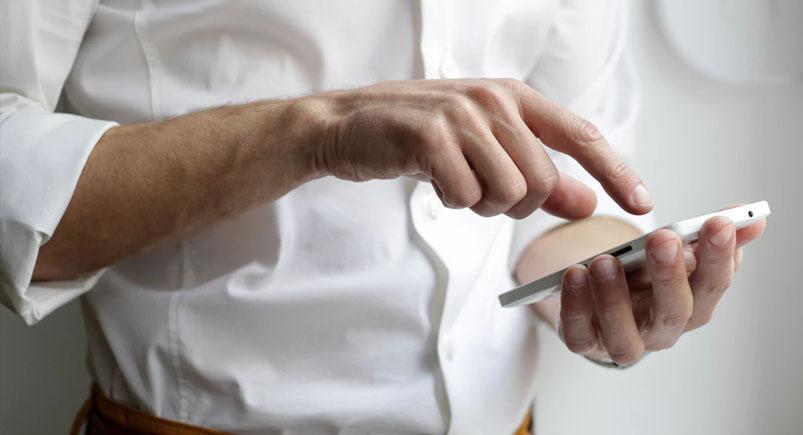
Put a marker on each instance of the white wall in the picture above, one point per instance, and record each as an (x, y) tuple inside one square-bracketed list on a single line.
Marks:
[(704, 145)]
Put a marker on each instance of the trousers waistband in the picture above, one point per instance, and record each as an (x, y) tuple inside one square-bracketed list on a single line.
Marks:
[(103, 416)]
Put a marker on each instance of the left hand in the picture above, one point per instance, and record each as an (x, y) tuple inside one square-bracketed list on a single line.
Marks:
[(608, 315)]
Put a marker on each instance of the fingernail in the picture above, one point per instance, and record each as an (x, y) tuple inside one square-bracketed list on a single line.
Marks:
[(603, 269), (722, 237), (666, 252), (576, 276), (641, 197)]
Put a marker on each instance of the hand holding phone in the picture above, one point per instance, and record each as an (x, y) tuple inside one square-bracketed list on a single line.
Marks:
[(609, 315), (631, 254)]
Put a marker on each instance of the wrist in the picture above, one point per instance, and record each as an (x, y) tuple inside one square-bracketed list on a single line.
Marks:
[(315, 122)]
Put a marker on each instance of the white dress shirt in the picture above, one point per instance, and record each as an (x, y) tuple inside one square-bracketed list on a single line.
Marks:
[(342, 307)]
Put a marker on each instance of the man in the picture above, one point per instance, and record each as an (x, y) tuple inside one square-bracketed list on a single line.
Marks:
[(202, 179)]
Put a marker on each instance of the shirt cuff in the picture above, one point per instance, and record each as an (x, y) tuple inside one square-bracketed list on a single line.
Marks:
[(42, 157)]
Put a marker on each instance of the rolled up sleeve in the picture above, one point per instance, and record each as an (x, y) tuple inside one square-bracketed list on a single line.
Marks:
[(42, 153), (586, 68)]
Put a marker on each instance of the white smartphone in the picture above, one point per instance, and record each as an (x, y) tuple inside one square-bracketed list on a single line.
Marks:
[(631, 254)]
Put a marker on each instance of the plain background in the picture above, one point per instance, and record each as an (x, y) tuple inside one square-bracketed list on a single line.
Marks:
[(703, 145)]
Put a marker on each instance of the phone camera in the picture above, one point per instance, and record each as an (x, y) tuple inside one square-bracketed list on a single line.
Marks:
[(750, 213)]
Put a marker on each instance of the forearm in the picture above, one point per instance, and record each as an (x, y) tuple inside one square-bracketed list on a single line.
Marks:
[(156, 182), (564, 246)]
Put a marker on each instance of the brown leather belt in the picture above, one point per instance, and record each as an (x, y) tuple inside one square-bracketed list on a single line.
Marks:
[(106, 417)]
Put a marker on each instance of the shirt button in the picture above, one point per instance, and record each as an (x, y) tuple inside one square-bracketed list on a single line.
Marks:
[(434, 208), (448, 69), (451, 347)]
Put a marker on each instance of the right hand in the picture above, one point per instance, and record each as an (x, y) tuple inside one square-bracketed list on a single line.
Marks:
[(478, 143)]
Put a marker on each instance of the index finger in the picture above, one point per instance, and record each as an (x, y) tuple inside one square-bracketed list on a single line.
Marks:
[(562, 130)]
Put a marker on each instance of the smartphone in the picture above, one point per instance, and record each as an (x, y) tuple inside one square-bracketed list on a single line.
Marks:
[(631, 254)]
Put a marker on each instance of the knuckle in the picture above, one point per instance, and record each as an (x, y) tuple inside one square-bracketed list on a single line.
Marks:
[(573, 316), (579, 345), (620, 171), (699, 321), (612, 309), (511, 83), (673, 320), (661, 344), (433, 132), (509, 191), (659, 237), (545, 182), (667, 277), (719, 260), (584, 131), (716, 288), (517, 189), (520, 211), (465, 197), (460, 105), (484, 208), (488, 93)]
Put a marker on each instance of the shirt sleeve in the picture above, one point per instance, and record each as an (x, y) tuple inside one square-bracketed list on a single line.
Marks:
[(586, 68), (42, 153)]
